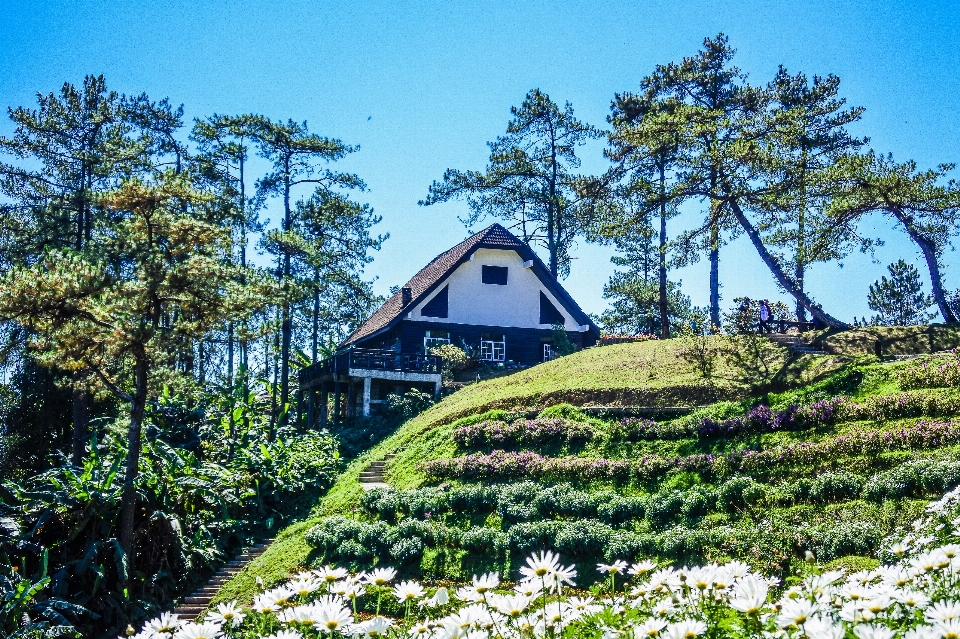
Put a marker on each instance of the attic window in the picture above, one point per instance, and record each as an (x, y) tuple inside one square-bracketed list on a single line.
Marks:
[(438, 306), (548, 312), (494, 275)]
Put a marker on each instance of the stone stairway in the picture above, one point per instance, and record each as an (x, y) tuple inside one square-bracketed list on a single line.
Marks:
[(190, 607), (372, 476), (795, 344)]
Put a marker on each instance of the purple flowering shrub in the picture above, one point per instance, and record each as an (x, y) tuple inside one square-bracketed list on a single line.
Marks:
[(502, 465), (932, 372), (529, 432)]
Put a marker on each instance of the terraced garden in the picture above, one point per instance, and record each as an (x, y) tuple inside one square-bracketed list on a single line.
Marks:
[(839, 452)]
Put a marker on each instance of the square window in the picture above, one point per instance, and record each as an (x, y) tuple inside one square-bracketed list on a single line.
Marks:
[(493, 350), (494, 275), (435, 338)]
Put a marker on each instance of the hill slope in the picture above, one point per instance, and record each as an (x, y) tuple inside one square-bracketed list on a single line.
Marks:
[(845, 450)]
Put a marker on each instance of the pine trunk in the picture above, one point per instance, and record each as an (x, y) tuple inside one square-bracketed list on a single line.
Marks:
[(128, 500), (664, 309), (929, 251)]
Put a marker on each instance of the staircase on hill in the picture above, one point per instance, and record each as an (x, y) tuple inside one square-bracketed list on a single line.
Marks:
[(795, 344), (372, 476), (191, 607)]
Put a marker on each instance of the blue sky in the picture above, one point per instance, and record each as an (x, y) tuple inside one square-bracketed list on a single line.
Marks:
[(422, 86)]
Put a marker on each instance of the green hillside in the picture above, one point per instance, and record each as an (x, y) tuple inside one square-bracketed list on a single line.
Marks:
[(829, 454)]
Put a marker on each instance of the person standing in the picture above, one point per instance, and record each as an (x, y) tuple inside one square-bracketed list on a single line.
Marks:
[(765, 316)]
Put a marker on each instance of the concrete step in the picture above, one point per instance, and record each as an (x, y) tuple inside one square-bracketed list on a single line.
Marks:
[(370, 476), (201, 600), (373, 485)]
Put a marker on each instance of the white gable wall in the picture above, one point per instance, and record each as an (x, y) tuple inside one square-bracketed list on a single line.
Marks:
[(472, 302)]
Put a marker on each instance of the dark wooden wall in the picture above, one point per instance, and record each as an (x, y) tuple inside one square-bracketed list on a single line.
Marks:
[(523, 345)]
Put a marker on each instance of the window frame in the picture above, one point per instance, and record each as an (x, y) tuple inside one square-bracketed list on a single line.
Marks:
[(490, 349), (491, 274), (431, 341), (547, 351)]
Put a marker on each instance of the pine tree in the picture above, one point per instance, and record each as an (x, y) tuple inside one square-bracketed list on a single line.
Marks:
[(123, 305), (295, 154), (643, 146), (899, 301), (529, 180)]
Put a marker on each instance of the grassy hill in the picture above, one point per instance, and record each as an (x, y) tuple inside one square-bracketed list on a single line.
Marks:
[(826, 454)]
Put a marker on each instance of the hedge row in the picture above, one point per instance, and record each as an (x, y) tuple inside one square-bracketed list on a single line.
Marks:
[(529, 501), (343, 540), (502, 465), (541, 431)]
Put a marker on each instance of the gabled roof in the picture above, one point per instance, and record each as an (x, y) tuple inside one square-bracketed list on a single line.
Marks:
[(424, 282)]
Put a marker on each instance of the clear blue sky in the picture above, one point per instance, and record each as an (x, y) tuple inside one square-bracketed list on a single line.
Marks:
[(423, 86)]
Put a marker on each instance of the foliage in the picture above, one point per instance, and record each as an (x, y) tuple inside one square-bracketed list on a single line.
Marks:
[(408, 405), (899, 301), (191, 510), (455, 359), (932, 372), (529, 180)]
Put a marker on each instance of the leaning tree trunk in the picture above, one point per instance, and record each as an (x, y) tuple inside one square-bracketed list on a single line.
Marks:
[(929, 250), (128, 500), (778, 273)]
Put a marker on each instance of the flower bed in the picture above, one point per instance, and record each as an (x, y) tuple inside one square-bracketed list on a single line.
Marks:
[(932, 372), (916, 597), (529, 432), (502, 465)]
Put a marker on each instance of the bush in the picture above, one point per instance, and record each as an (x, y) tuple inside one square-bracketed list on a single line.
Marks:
[(528, 536), (407, 550), (485, 541), (616, 510), (663, 507), (454, 358), (845, 538), (696, 503), (738, 493), (408, 405), (835, 487), (583, 539), (932, 372)]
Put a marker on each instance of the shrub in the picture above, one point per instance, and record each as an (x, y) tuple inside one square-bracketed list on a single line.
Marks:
[(485, 541), (531, 432), (663, 507), (382, 502), (696, 503), (563, 500), (932, 372), (616, 510), (525, 537), (738, 493), (583, 539), (846, 538), (835, 487), (454, 357), (407, 550), (348, 537)]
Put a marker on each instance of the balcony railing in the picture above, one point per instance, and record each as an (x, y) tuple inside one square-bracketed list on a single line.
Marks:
[(371, 359)]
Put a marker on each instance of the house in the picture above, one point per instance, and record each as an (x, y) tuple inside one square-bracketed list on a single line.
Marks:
[(490, 295)]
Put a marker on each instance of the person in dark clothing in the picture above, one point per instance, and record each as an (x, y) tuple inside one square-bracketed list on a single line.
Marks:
[(765, 314)]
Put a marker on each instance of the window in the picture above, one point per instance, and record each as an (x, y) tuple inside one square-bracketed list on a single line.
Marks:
[(493, 348), (437, 307), (435, 338), (494, 275), (547, 352), (548, 312)]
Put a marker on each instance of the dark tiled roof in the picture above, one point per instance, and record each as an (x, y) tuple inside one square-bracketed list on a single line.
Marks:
[(494, 236)]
